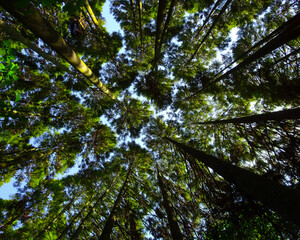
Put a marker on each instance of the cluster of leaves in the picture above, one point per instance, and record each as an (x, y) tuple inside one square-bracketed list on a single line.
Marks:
[(90, 165)]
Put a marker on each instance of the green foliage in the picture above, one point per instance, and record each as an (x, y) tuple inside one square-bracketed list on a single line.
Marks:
[(83, 162), (9, 69)]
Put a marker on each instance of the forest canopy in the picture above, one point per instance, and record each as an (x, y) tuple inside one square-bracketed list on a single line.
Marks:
[(183, 125)]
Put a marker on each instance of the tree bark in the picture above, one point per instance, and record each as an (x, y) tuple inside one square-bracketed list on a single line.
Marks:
[(277, 197), (91, 209), (140, 7), (174, 228), (164, 31), (208, 17), (288, 31), (67, 207), (108, 227), (209, 31), (134, 233), (91, 13), (18, 37), (276, 116), (74, 219), (33, 20), (159, 21)]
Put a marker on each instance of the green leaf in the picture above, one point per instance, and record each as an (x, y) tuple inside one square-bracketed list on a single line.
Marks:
[(15, 77), (18, 97), (14, 67), (2, 52)]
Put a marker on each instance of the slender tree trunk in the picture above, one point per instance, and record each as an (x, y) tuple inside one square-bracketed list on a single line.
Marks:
[(174, 228), (6, 164), (208, 17), (91, 209), (159, 21), (279, 198), (140, 7), (134, 234), (209, 31), (98, 31), (256, 46), (42, 233), (291, 31), (18, 37), (288, 31), (277, 116), (91, 13), (33, 20), (74, 219), (165, 29), (108, 227), (133, 18)]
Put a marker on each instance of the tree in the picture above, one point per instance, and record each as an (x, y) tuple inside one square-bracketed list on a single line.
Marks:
[(174, 228), (270, 193), (176, 135), (276, 116)]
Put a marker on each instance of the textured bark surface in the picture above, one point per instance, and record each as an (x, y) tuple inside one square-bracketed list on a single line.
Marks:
[(279, 198), (108, 227), (174, 228), (32, 19)]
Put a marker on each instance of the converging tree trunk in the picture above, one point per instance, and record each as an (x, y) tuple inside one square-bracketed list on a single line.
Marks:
[(279, 198), (134, 233), (33, 20), (108, 227), (277, 116), (208, 17), (174, 228), (74, 220), (222, 11), (91, 13), (159, 22), (56, 218), (140, 7), (89, 214), (164, 31), (18, 37), (286, 32)]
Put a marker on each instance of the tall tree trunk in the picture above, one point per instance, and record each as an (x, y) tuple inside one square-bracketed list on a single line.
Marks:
[(286, 32), (67, 207), (134, 233), (108, 227), (73, 220), (159, 21), (140, 7), (100, 36), (33, 20), (209, 31), (133, 18), (174, 228), (18, 37), (256, 46), (208, 17), (90, 211), (165, 29), (279, 198), (91, 13), (277, 116)]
